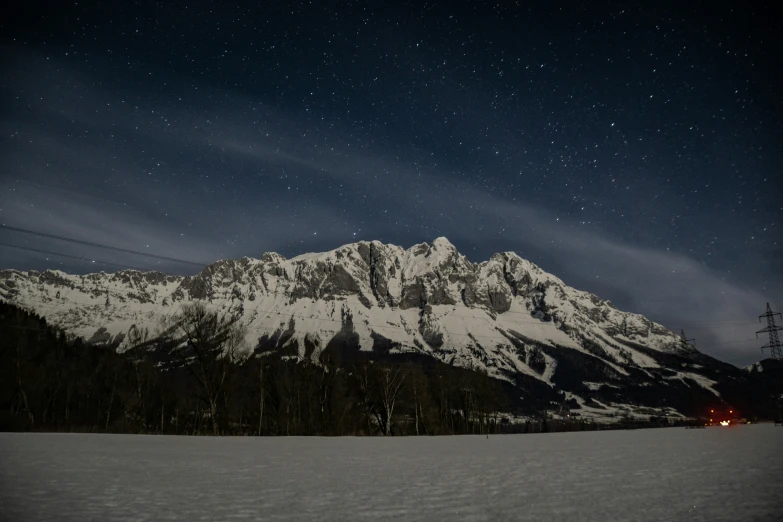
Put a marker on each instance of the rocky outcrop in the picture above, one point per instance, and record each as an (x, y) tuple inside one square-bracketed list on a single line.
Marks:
[(505, 315)]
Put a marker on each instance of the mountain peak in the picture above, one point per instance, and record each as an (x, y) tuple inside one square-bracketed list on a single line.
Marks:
[(444, 243), (505, 316), (272, 257)]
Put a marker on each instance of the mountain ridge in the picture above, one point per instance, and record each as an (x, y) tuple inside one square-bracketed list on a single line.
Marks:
[(505, 316)]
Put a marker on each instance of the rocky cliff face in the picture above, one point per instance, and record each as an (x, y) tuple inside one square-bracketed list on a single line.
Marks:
[(505, 316)]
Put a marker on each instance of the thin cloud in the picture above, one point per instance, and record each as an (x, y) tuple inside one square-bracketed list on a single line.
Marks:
[(234, 179)]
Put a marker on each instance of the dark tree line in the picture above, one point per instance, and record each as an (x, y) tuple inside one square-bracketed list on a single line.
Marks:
[(193, 377)]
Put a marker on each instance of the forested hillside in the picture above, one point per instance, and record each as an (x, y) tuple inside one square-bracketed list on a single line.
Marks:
[(193, 379), (48, 382)]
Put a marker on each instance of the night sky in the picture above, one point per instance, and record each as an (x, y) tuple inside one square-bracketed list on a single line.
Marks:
[(635, 153)]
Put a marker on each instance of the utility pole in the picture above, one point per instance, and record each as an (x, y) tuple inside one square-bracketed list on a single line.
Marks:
[(775, 350), (687, 344)]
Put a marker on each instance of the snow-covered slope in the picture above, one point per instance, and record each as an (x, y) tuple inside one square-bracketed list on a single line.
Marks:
[(505, 315)]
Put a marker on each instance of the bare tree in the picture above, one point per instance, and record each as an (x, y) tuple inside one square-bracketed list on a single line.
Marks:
[(212, 344), (380, 385), (137, 337), (261, 393), (21, 346), (111, 400), (390, 381), (367, 391), (417, 384)]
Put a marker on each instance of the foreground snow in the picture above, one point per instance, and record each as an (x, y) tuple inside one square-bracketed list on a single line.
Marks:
[(665, 474)]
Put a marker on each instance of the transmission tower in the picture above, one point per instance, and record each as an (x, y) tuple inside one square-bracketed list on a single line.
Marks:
[(775, 350), (687, 344)]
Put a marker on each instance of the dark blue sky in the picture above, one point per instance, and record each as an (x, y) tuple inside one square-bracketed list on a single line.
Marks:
[(635, 153)]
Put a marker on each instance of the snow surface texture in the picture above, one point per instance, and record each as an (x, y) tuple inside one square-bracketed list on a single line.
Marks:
[(504, 315), (713, 474)]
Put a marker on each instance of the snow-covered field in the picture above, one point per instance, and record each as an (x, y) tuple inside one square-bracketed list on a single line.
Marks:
[(664, 474)]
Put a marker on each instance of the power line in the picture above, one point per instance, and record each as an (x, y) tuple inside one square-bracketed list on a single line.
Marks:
[(99, 245), (721, 325), (509, 312), (736, 341), (117, 291), (743, 321), (65, 255), (451, 313), (177, 260)]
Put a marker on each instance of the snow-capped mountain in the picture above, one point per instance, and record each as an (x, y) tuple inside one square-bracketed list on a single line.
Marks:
[(505, 315)]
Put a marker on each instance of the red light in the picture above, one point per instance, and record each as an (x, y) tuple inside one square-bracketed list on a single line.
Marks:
[(712, 411), (731, 411)]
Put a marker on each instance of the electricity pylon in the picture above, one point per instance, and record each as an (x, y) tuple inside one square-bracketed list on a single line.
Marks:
[(685, 343), (775, 350)]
